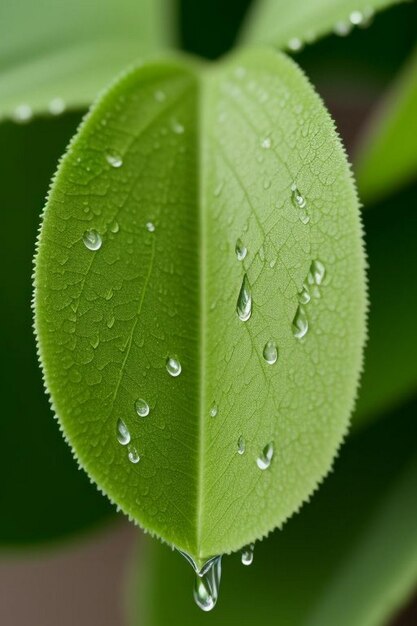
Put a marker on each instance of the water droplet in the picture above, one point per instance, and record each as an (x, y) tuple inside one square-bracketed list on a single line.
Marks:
[(142, 407), (356, 18), (114, 228), (22, 113), (160, 96), (316, 273), (123, 434), (150, 226), (173, 366), (114, 160), (297, 199), (244, 301), (265, 458), (214, 409), (110, 322), (92, 240), (177, 128), (342, 28), (272, 263), (56, 106), (247, 554), (304, 296), (295, 44), (270, 352), (241, 250), (241, 445), (300, 323), (133, 455), (266, 143), (206, 588)]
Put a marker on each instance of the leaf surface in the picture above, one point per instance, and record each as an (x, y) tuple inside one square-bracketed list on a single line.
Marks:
[(357, 539), (43, 495), (57, 54), (387, 157), (200, 293), (292, 24)]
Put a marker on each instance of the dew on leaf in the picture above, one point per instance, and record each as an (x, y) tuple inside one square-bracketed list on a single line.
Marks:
[(270, 352), (56, 106), (241, 250), (142, 407), (214, 409), (300, 323), (92, 240), (23, 113), (295, 44), (342, 28), (150, 226), (241, 445), (176, 127), (114, 228), (246, 556), (133, 455), (173, 366), (266, 143), (244, 301), (304, 296), (115, 160), (265, 458), (123, 434)]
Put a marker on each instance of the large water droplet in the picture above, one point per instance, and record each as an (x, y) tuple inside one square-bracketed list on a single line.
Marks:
[(241, 445), (206, 588), (92, 240), (241, 250), (247, 554), (244, 301), (270, 352), (173, 366), (214, 409), (133, 455), (142, 407), (123, 434), (115, 160), (300, 323), (265, 458)]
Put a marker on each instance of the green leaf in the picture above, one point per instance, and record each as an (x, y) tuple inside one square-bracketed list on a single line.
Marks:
[(390, 374), (176, 167), (387, 157), (43, 494), (57, 54), (292, 24), (349, 558)]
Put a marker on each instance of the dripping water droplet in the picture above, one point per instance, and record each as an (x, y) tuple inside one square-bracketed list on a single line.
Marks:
[(244, 301), (270, 352), (92, 240), (142, 407), (265, 458), (207, 580), (173, 366), (241, 250), (300, 323), (247, 554), (123, 434)]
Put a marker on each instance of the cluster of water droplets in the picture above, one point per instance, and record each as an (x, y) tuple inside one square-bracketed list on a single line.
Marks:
[(309, 290)]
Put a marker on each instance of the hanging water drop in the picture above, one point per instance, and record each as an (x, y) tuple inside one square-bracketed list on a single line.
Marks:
[(142, 407), (247, 554), (241, 250), (123, 434), (241, 445), (300, 323), (114, 160), (133, 455), (214, 409), (270, 352), (244, 301), (207, 583), (92, 240), (173, 366), (265, 458)]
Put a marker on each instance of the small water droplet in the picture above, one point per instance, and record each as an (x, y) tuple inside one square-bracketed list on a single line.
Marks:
[(173, 366), (300, 323), (241, 250), (297, 199), (177, 128), (150, 226), (244, 301), (214, 409), (160, 96), (114, 160), (92, 240), (316, 273), (56, 106), (266, 143), (270, 352), (123, 434), (241, 445), (142, 407), (304, 296), (114, 228), (356, 18), (247, 554), (265, 458), (206, 588), (342, 28), (133, 454), (23, 113), (110, 322), (295, 44)]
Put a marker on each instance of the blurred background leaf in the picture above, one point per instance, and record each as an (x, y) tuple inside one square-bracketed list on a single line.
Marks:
[(43, 494)]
